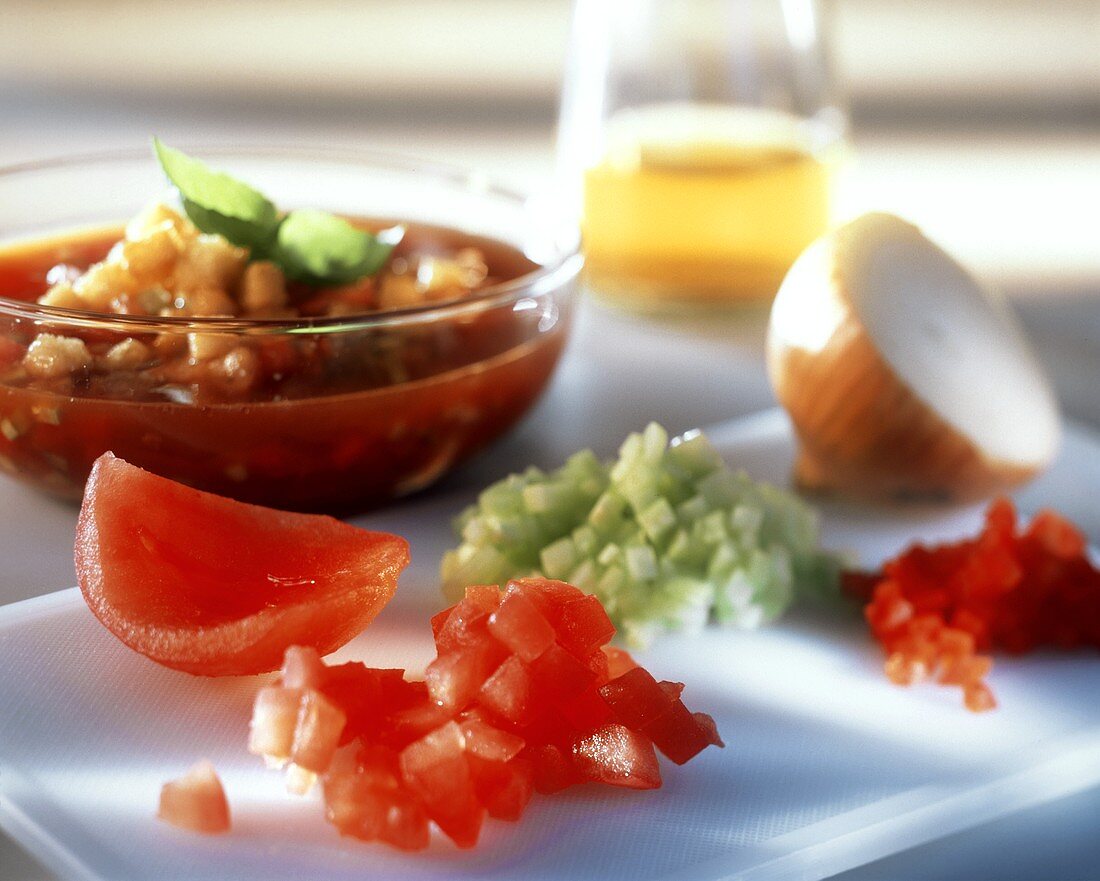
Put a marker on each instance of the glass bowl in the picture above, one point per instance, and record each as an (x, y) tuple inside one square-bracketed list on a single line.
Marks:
[(352, 411)]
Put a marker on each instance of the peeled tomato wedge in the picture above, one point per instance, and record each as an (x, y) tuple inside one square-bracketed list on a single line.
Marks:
[(902, 375), (217, 587)]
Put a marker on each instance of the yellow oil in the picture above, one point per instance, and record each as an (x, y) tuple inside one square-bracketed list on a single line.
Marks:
[(702, 205)]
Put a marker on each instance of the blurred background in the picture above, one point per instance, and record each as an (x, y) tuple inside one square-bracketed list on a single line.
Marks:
[(977, 119)]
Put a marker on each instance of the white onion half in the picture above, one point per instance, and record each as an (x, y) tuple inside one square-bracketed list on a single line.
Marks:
[(903, 376)]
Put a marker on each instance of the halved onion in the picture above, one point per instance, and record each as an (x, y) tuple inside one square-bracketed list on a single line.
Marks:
[(903, 376)]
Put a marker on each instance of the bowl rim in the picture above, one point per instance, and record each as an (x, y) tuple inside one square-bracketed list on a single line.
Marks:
[(539, 282)]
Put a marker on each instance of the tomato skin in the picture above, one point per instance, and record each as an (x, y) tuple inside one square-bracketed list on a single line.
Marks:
[(216, 587)]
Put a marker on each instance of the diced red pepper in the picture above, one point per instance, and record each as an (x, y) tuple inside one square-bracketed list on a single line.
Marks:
[(935, 608)]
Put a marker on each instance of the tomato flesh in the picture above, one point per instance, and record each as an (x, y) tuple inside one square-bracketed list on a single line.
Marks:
[(519, 625), (504, 711), (619, 757), (216, 587), (196, 801)]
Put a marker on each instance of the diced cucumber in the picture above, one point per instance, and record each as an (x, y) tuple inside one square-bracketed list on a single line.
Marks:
[(694, 454), (657, 519), (641, 562), (666, 535), (559, 559)]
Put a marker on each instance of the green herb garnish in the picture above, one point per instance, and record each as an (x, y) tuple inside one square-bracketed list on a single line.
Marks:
[(311, 246), (314, 246)]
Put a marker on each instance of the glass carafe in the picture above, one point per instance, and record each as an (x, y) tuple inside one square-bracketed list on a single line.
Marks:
[(701, 139)]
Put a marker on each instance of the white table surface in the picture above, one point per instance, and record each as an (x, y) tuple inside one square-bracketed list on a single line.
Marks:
[(620, 372)]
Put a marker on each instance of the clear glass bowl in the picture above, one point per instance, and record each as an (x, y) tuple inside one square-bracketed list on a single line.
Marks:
[(354, 410)]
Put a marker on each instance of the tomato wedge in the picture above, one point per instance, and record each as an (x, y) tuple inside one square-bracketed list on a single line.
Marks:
[(217, 587)]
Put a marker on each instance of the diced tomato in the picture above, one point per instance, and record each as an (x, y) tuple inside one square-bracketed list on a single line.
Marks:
[(317, 734), (678, 734), (587, 711), (585, 626), (618, 756), (454, 679), (439, 619), (410, 724), (559, 675), (553, 768), (708, 725), (486, 596), (355, 805), (302, 667), (505, 788), (367, 695), (274, 719), (436, 770), (466, 625), (507, 692), (1056, 534), (521, 626), (636, 698), (406, 823), (618, 661), (548, 596), (216, 587), (600, 666), (363, 798), (490, 743), (196, 801), (486, 728)]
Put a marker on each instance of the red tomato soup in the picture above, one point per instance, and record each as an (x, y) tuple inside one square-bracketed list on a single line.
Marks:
[(341, 414)]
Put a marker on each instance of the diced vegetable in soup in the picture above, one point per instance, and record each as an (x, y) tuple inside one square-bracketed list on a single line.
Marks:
[(330, 418), (163, 265)]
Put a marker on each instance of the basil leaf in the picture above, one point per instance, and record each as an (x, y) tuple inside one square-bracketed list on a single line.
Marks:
[(253, 236), (218, 203), (311, 246), (321, 248)]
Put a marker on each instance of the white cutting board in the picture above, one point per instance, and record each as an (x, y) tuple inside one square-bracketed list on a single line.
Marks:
[(827, 766)]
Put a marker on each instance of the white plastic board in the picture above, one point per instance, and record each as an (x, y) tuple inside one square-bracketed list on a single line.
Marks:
[(827, 766)]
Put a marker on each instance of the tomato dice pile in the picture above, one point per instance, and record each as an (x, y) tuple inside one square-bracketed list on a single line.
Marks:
[(937, 610), (524, 696)]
